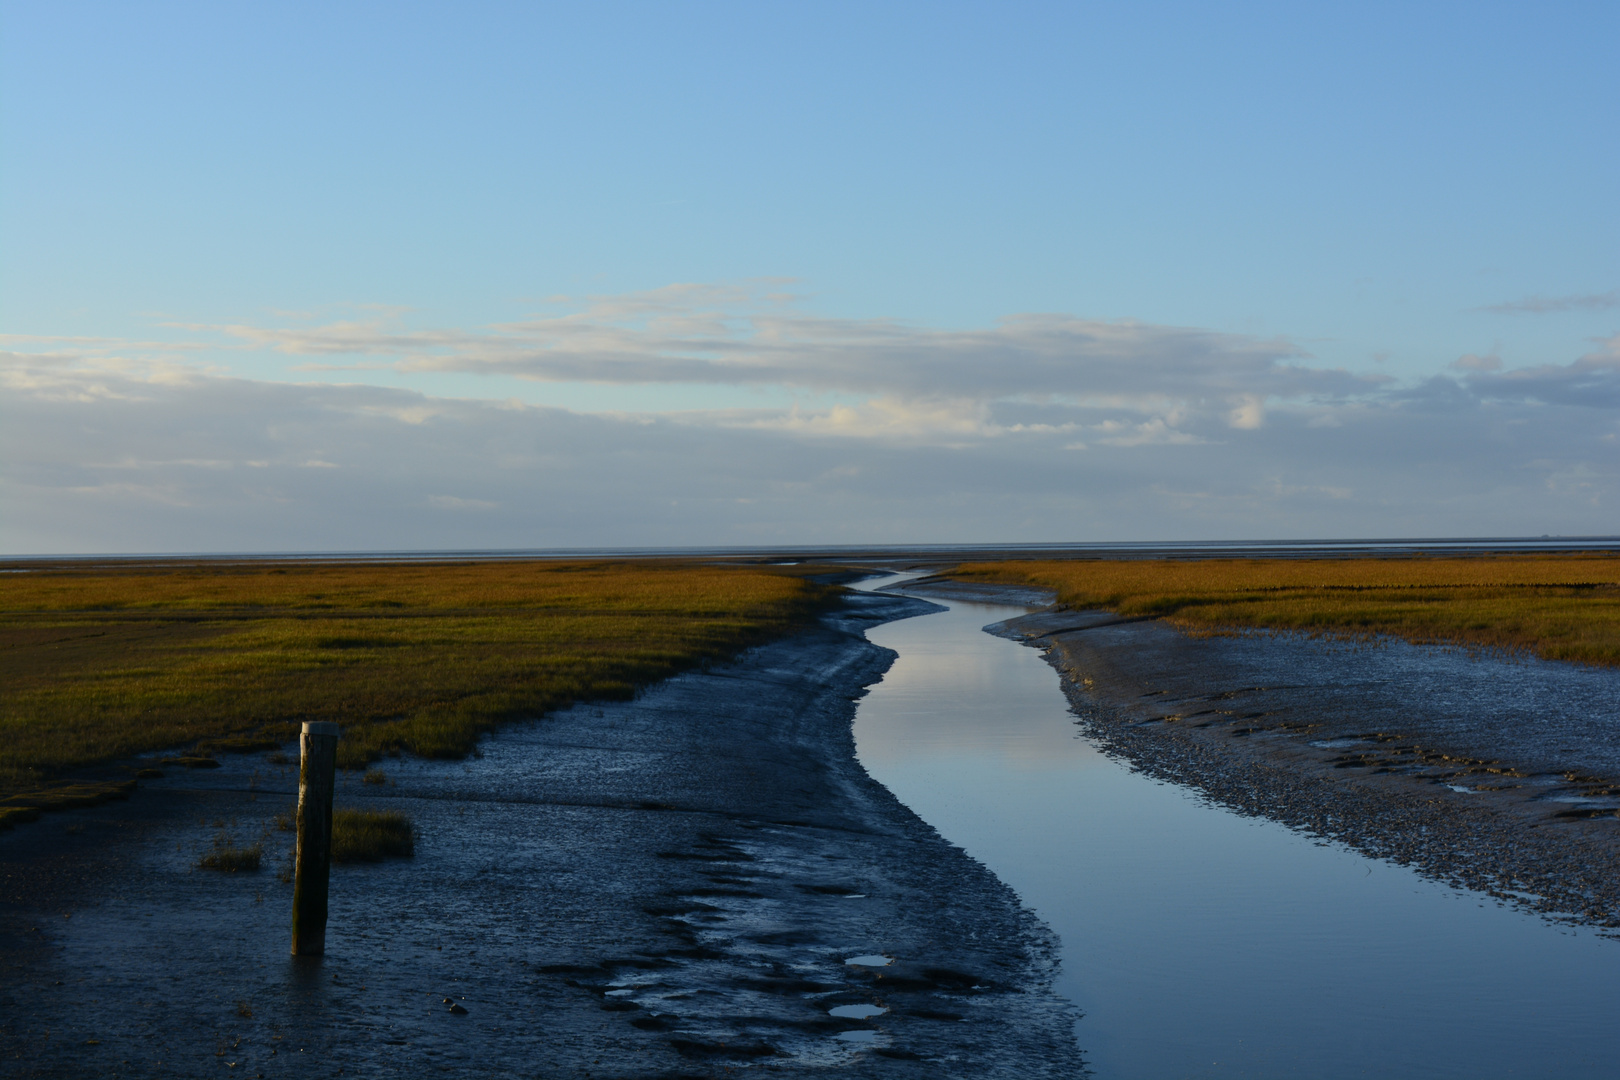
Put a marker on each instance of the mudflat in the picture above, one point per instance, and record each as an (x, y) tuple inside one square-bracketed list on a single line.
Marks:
[(667, 886), (1497, 774)]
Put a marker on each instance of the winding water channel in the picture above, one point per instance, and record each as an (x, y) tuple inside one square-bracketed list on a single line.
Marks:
[(1198, 943)]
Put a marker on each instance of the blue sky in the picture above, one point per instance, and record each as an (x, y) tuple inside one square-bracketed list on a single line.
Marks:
[(849, 201)]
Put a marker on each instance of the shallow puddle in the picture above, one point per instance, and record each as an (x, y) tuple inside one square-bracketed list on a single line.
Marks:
[(872, 960), (1199, 943)]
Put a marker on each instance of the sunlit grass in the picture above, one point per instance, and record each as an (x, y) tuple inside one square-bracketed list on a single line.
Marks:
[(231, 857), (103, 663), (371, 835), (1560, 607)]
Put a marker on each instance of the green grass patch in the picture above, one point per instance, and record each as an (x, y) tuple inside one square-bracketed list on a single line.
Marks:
[(371, 835), (103, 663), (230, 857), (1559, 607), (65, 796)]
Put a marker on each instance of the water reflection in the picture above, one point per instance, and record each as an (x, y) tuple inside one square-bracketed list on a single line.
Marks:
[(915, 727), (1199, 943)]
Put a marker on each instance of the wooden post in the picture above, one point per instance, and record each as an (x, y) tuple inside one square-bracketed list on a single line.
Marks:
[(313, 858)]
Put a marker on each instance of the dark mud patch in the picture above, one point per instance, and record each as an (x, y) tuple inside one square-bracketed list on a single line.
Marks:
[(665, 887)]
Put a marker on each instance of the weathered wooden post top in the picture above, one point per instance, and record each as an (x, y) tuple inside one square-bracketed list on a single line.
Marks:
[(313, 856)]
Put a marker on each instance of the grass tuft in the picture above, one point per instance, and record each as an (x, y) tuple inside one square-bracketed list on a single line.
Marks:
[(371, 835), (69, 796), (226, 856)]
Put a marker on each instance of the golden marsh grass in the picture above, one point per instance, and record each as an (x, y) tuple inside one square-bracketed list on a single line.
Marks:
[(102, 663), (1559, 607), (231, 857), (371, 835)]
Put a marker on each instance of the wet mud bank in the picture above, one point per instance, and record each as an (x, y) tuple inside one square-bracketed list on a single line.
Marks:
[(1496, 775), (674, 886)]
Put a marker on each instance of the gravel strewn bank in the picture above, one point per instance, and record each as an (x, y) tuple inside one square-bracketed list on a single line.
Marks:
[(667, 887), (1496, 775)]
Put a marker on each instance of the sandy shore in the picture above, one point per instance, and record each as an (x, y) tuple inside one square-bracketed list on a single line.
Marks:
[(666, 887), (1498, 776)]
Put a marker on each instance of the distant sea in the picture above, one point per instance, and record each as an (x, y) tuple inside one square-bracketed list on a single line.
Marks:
[(1181, 549)]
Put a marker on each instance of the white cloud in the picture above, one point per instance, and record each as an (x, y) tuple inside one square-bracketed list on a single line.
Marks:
[(1593, 381), (734, 335), (1249, 413), (891, 380), (1154, 432), (1471, 362), (105, 453)]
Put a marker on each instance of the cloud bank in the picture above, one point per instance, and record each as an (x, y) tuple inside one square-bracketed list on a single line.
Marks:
[(742, 336), (1039, 428), (1552, 305)]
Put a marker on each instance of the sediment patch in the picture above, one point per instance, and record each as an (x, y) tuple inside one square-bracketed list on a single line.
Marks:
[(1497, 775)]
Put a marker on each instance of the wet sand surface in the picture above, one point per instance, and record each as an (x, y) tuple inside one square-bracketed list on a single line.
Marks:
[(667, 887), (1495, 774)]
